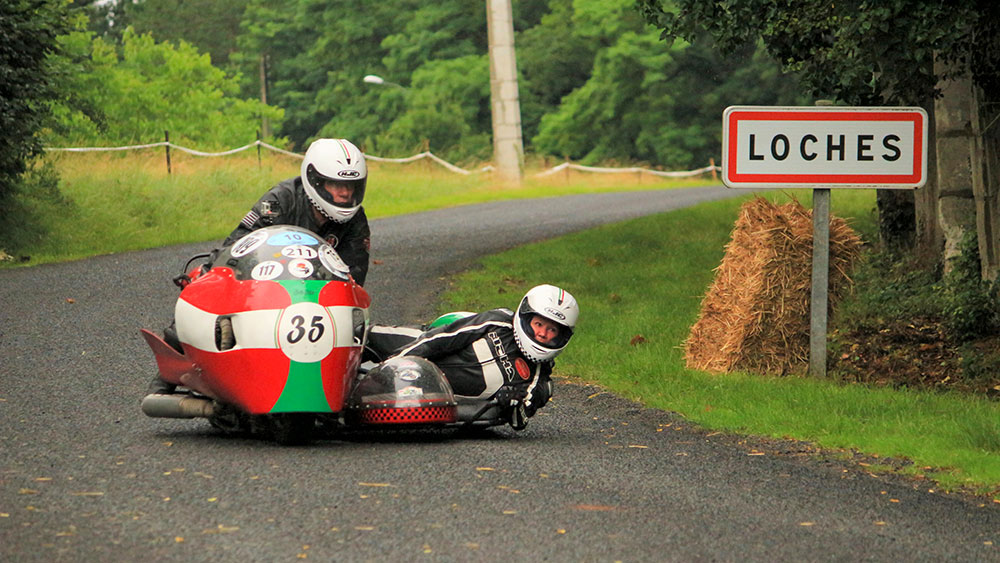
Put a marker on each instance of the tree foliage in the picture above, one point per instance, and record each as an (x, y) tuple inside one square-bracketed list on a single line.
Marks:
[(135, 93), (28, 32), (857, 51), (595, 82)]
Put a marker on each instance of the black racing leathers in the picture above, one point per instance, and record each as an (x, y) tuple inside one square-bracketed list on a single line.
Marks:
[(477, 354), (287, 204)]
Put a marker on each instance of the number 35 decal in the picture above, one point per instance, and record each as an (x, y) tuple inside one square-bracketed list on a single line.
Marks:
[(305, 332)]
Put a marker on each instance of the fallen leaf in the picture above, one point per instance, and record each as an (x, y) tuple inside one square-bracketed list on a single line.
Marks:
[(807, 524), (374, 485), (70, 300), (638, 446), (88, 494), (637, 340)]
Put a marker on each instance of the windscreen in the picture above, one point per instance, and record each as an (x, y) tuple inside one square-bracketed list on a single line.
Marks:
[(283, 252)]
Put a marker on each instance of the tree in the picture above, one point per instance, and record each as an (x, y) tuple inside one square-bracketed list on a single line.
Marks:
[(133, 96), (643, 102), (28, 31), (170, 20), (890, 53)]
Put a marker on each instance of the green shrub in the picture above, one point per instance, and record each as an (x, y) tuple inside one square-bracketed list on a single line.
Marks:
[(971, 305)]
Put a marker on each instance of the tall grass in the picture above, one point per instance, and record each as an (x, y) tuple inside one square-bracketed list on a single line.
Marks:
[(114, 202), (640, 285)]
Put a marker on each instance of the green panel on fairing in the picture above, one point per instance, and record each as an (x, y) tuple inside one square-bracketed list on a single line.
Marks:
[(303, 391)]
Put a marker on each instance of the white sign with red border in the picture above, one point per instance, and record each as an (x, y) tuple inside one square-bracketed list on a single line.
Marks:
[(824, 147)]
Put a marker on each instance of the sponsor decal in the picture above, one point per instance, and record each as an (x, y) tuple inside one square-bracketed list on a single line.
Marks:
[(300, 268), (332, 261), (267, 270), (522, 368), (555, 313), (247, 244), (348, 173)]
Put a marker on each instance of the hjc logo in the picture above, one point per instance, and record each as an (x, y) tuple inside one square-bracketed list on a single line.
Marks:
[(348, 173), (556, 313)]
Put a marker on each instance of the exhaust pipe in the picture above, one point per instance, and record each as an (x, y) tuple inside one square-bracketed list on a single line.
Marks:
[(176, 406)]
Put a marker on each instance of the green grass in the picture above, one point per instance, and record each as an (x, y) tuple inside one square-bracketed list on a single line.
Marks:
[(118, 202), (646, 277)]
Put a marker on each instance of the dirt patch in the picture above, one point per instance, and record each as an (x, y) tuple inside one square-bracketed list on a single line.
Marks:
[(916, 354)]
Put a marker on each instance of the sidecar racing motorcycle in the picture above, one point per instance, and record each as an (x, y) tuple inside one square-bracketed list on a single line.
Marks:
[(271, 335)]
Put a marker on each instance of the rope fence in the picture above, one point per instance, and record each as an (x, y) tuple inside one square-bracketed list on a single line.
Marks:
[(710, 169)]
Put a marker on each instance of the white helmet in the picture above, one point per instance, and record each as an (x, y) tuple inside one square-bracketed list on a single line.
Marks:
[(554, 304), (336, 160)]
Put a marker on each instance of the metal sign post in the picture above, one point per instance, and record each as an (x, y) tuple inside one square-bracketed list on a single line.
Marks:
[(828, 146)]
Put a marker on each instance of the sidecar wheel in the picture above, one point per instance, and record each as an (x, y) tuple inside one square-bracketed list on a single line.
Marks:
[(292, 429)]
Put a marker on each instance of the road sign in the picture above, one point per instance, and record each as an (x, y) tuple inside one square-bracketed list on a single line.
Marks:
[(826, 146)]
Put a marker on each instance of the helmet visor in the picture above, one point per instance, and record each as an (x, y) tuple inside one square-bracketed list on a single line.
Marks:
[(551, 341), (340, 192)]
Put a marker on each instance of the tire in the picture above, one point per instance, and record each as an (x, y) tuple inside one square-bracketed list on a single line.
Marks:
[(292, 429)]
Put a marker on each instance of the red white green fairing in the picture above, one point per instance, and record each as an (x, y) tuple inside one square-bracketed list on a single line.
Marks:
[(297, 326)]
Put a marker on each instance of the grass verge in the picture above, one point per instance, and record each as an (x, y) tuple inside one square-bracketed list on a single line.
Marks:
[(640, 284), (109, 203)]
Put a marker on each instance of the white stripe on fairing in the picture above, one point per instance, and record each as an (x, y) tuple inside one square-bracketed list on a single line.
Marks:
[(253, 329), (492, 374)]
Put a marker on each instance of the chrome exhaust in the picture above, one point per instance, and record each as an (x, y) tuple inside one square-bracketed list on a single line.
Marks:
[(176, 406)]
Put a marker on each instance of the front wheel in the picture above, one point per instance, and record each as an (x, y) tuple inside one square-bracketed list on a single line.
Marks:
[(292, 429)]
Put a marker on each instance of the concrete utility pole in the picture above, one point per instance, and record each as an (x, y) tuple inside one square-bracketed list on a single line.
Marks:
[(508, 148)]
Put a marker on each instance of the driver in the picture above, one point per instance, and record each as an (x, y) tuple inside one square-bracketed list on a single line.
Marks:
[(325, 198), (482, 353)]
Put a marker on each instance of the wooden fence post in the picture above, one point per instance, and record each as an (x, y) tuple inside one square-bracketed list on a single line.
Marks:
[(258, 148), (166, 137)]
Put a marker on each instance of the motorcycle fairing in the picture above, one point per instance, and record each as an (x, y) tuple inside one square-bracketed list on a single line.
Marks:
[(295, 350)]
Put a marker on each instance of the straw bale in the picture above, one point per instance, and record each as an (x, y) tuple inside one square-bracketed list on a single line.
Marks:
[(755, 315)]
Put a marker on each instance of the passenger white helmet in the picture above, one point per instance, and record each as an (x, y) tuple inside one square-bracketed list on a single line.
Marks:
[(554, 304), (335, 160)]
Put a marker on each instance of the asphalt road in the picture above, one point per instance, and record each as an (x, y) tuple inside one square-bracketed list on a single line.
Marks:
[(84, 476)]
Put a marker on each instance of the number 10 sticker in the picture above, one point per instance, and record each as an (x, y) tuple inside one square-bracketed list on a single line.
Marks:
[(305, 332)]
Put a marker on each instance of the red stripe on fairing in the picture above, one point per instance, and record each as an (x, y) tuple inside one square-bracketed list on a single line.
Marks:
[(250, 379), (254, 379), (218, 292), (344, 294), (338, 372)]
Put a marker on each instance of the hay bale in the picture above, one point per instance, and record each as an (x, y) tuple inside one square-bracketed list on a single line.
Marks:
[(755, 316)]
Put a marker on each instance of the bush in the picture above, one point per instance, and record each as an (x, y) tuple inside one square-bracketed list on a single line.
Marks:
[(971, 304)]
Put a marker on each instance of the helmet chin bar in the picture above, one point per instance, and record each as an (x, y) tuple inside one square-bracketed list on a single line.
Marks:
[(343, 218)]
